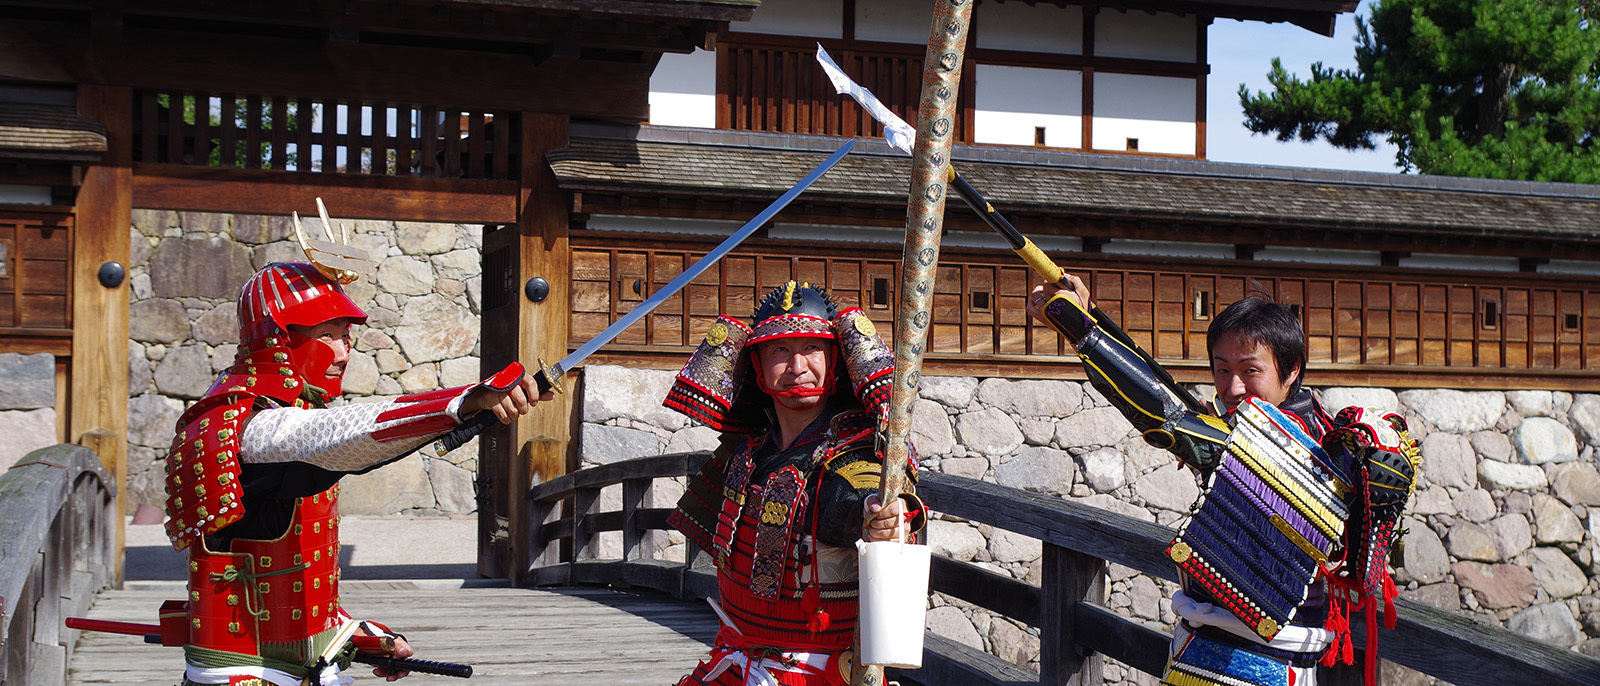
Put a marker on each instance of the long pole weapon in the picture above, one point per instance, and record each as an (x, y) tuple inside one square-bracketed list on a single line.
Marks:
[(930, 168), (900, 135)]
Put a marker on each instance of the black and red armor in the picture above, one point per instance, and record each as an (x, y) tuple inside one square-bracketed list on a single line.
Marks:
[(1370, 451), (781, 523)]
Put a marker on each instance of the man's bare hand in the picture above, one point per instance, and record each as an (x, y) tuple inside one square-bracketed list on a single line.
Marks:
[(884, 523), (1043, 292), (506, 405), (401, 650)]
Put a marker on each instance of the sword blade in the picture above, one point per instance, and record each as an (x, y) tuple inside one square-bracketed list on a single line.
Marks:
[(549, 377), (589, 347)]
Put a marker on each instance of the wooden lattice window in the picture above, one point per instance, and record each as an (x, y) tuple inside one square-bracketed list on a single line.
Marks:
[(321, 135)]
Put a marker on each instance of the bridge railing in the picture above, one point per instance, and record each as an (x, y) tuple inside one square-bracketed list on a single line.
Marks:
[(1075, 627), (57, 538)]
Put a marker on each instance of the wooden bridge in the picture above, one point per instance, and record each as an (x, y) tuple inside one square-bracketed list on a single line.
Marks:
[(635, 619)]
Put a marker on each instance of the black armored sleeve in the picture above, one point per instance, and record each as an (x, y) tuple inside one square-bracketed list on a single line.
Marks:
[(847, 480), (1134, 385)]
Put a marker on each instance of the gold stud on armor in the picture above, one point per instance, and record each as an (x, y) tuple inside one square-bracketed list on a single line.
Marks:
[(264, 588), (233, 627), (196, 622), (294, 614), (194, 596), (297, 587), (297, 559), (313, 610), (232, 599), (266, 561)]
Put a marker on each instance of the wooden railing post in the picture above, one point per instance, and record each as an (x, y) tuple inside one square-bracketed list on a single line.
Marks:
[(633, 492), (584, 500), (1069, 578)]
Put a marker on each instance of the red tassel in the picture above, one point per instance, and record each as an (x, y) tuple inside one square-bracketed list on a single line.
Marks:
[(820, 621), (811, 601), (1389, 592)]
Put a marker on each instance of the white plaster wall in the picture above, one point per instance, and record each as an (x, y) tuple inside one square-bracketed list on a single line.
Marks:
[(1475, 262), (1215, 251), (1012, 101), (24, 195), (893, 21), (672, 225), (815, 18), (1029, 28), (1368, 258), (683, 90), (1157, 110), (1139, 35), (1585, 268)]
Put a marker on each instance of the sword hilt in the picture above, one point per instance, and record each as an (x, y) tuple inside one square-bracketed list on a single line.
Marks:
[(548, 379)]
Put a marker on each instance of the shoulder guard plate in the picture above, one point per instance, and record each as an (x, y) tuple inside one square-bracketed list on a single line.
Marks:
[(203, 490)]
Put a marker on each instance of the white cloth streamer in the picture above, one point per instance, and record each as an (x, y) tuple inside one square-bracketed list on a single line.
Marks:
[(900, 134)]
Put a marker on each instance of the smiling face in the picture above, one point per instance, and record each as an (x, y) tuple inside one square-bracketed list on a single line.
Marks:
[(1241, 368), (794, 364)]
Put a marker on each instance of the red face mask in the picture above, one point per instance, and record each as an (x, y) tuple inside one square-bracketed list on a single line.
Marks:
[(311, 358)]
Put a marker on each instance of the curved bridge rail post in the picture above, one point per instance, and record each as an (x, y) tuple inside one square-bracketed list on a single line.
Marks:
[(57, 537), (1075, 627)]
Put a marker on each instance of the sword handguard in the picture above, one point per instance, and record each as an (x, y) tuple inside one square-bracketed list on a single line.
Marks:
[(548, 378)]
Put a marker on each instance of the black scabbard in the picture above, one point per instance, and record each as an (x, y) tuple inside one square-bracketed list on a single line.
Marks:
[(397, 664)]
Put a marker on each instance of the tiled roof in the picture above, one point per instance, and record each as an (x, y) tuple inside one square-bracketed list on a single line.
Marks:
[(667, 161), (33, 133)]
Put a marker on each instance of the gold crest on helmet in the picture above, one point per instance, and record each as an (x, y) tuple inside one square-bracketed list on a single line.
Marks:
[(335, 257)]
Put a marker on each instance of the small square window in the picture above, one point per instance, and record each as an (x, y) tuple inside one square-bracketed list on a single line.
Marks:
[(1569, 321), (880, 292), (1133, 145), (1491, 314), (981, 301), (1202, 305)]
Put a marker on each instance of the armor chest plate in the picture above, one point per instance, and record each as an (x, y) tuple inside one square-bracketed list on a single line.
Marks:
[(281, 591)]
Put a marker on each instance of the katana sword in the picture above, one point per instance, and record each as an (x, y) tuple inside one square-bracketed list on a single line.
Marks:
[(152, 634), (900, 135), (549, 376)]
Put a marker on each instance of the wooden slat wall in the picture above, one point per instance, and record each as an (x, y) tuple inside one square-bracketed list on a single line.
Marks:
[(326, 136), (35, 264), (978, 308), (778, 87)]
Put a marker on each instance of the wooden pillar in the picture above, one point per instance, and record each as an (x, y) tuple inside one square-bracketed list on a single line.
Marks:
[(98, 370), (536, 448), (1068, 578)]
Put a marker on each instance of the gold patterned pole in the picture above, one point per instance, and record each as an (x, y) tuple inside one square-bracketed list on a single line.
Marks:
[(930, 167)]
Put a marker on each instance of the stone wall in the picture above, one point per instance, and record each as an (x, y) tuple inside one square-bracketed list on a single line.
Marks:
[(186, 271), (1504, 526), (27, 405)]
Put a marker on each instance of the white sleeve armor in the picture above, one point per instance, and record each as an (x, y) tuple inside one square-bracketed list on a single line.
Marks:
[(347, 438)]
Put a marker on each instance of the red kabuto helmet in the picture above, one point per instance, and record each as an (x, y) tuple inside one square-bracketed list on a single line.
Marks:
[(294, 293)]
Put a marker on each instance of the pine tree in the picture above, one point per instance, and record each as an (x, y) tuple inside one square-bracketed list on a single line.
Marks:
[(1505, 89)]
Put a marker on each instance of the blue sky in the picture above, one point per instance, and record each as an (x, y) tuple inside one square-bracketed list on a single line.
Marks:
[(1242, 52)]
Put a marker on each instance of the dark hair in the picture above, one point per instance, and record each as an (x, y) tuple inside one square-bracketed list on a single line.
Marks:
[(1257, 320)]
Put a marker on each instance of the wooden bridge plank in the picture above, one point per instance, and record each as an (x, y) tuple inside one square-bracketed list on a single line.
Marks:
[(511, 636)]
